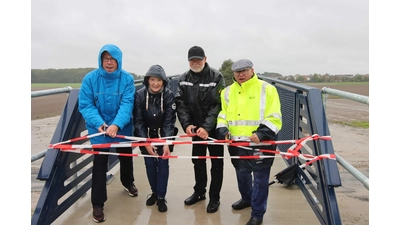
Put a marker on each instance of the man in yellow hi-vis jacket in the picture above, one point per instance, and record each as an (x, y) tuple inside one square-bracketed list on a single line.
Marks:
[(251, 111)]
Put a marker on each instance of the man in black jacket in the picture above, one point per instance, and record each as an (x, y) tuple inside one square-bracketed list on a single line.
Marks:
[(198, 104)]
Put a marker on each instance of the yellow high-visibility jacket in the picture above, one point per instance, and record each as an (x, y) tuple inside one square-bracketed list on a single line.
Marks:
[(247, 107)]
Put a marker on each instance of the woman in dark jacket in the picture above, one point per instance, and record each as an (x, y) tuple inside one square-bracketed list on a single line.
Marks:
[(155, 117)]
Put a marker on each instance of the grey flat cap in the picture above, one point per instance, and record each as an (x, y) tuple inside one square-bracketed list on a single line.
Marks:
[(241, 64)]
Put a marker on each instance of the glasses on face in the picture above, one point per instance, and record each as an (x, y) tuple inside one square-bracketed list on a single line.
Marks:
[(109, 59), (241, 71)]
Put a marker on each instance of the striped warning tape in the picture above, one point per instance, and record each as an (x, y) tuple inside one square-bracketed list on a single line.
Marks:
[(162, 141), (293, 151), (310, 159)]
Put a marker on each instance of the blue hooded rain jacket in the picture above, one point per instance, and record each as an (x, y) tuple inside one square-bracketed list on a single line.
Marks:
[(108, 98)]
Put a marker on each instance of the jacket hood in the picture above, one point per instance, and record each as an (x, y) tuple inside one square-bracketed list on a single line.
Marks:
[(115, 52), (155, 71)]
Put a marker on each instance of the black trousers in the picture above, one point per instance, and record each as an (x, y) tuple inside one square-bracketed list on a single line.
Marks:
[(99, 174), (200, 169)]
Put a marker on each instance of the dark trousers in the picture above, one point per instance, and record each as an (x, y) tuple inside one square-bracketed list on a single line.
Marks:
[(200, 169), (99, 175), (157, 170), (253, 184)]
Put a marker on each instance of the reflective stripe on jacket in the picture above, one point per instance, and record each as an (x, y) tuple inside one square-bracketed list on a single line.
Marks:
[(198, 98)]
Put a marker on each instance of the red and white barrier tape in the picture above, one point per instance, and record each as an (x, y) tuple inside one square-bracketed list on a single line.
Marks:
[(294, 150), (309, 157)]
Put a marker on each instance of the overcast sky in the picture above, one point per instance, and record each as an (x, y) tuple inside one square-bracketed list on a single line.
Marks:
[(287, 37)]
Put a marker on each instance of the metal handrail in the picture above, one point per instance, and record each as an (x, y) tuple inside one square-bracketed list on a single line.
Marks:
[(356, 173), (40, 93), (38, 156), (358, 98), (46, 92), (345, 94)]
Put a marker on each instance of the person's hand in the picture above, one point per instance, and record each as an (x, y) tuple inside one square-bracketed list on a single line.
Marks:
[(190, 129), (112, 130), (202, 133), (222, 133), (167, 152), (102, 128), (254, 138), (151, 149)]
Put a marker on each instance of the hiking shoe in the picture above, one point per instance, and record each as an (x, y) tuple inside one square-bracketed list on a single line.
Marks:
[(132, 190), (152, 199), (162, 207), (98, 215)]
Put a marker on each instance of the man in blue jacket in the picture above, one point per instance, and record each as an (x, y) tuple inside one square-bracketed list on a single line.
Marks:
[(106, 100)]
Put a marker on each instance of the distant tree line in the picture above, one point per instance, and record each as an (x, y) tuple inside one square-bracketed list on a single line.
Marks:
[(76, 76), (311, 78), (62, 75)]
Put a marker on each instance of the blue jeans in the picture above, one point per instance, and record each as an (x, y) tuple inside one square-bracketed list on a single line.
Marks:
[(157, 170), (254, 191)]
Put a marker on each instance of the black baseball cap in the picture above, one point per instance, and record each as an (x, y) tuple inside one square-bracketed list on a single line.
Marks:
[(196, 52)]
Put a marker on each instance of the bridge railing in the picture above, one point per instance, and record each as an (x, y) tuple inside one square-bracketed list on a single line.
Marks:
[(303, 115)]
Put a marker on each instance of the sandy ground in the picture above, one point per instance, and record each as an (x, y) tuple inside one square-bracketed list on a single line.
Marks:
[(352, 144)]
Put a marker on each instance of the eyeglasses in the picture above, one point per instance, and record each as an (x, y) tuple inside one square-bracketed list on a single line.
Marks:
[(241, 71), (106, 59)]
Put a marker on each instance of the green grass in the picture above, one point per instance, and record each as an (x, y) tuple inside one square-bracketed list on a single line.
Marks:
[(357, 124)]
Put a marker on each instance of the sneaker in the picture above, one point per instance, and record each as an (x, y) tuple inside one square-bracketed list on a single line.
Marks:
[(98, 215), (132, 190), (151, 199), (162, 207)]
